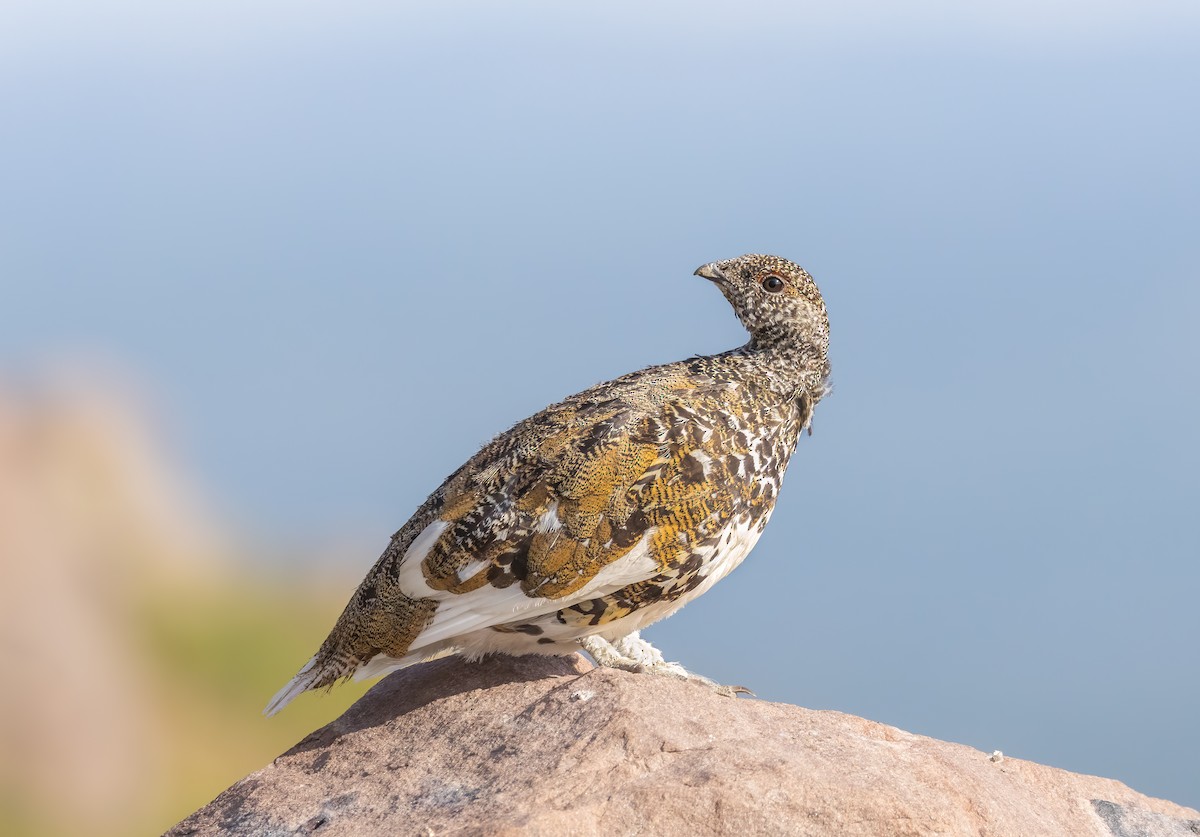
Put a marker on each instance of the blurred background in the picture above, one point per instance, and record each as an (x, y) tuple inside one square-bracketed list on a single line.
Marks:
[(269, 271)]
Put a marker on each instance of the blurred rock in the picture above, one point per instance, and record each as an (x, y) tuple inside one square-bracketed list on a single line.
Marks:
[(92, 516), (543, 745)]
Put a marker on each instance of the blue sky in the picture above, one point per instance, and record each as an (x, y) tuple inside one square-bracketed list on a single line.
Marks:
[(340, 247)]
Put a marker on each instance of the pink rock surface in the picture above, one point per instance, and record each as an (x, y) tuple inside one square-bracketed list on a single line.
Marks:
[(545, 745)]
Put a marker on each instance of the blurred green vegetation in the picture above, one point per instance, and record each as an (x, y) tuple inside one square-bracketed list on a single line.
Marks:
[(218, 653), (211, 655)]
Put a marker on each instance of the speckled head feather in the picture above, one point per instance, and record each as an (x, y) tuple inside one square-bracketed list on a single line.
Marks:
[(780, 305), (776, 300), (604, 512)]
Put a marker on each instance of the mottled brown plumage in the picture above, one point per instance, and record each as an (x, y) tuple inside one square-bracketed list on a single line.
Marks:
[(602, 513)]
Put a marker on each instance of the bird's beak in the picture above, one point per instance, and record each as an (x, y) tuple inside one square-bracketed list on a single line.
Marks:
[(711, 272)]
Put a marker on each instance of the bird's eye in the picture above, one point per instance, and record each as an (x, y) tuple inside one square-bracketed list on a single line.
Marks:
[(773, 284)]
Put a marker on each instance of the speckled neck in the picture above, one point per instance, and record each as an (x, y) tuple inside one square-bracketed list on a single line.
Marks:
[(784, 368), (792, 357)]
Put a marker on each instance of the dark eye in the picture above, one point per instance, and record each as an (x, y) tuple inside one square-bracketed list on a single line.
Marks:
[(773, 284)]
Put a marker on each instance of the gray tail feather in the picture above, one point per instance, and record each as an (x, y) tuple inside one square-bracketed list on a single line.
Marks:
[(304, 680)]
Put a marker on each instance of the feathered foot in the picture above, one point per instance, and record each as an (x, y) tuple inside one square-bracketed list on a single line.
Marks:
[(632, 653)]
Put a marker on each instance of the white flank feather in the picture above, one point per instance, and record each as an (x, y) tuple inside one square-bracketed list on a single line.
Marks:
[(466, 614), (459, 616)]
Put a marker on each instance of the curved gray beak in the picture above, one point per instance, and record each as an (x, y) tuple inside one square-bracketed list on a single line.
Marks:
[(711, 272)]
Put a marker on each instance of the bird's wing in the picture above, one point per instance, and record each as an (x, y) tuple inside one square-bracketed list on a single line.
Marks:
[(594, 498), (575, 503)]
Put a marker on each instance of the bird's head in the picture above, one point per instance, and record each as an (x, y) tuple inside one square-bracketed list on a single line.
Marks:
[(776, 300)]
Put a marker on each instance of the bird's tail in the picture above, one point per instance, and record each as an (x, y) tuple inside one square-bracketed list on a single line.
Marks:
[(304, 680), (323, 671)]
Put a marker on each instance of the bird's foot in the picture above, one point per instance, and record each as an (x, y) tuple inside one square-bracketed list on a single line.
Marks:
[(632, 653)]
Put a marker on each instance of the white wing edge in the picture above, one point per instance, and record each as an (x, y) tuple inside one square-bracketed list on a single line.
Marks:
[(464, 613)]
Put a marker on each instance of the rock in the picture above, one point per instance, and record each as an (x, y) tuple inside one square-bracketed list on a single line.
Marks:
[(548, 745)]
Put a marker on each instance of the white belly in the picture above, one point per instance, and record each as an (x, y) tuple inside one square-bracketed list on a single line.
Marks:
[(734, 546)]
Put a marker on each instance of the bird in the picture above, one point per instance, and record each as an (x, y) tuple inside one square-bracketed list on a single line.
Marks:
[(603, 513)]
